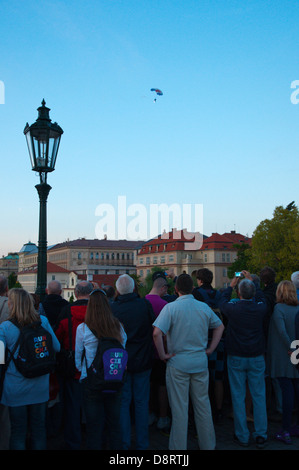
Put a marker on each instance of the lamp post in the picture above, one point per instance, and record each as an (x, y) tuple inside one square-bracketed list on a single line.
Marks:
[(43, 139)]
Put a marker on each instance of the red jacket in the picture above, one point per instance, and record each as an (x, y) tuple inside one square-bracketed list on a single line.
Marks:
[(78, 311)]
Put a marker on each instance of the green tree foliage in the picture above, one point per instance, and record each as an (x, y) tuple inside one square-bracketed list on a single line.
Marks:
[(13, 281), (242, 260), (275, 243)]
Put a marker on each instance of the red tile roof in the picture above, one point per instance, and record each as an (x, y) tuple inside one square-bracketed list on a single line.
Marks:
[(171, 241), (101, 279), (224, 242), (51, 268)]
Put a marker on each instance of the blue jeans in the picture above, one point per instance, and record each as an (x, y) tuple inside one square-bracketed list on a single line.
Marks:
[(102, 411), (20, 418), (252, 370), (136, 389)]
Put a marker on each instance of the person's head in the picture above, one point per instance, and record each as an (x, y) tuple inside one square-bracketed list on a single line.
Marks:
[(204, 276), (267, 275), (295, 279), (3, 285), (54, 287), (83, 289), (184, 284), (286, 293), (256, 279), (246, 289), (125, 284), (158, 274), (110, 291), (21, 307), (160, 286), (99, 316)]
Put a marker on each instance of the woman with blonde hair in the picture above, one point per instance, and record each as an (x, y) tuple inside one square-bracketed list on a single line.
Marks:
[(281, 334), (100, 408), (26, 398)]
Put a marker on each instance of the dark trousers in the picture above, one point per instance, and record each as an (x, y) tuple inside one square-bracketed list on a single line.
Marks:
[(290, 391), (30, 418), (102, 411), (71, 397)]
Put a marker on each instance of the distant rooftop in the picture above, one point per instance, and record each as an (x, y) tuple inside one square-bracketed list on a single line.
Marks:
[(100, 244), (29, 248)]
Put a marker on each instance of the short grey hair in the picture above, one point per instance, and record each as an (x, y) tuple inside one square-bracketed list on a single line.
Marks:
[(83, 289), (247, 289), (54, 287), (295, 279), (125, 284)]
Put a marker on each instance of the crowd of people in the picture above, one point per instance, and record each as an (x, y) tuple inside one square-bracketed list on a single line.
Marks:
[(186, 353)]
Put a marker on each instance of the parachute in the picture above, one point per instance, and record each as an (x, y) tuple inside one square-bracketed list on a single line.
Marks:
[(159, 92)]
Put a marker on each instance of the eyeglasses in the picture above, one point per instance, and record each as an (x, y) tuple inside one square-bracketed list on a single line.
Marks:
[(98, 290)]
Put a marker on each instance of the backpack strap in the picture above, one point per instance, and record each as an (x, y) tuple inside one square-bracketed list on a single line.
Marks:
[(69, 316)]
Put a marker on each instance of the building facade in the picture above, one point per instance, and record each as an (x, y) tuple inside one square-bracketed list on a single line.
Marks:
[(217, 253), (93, 257)]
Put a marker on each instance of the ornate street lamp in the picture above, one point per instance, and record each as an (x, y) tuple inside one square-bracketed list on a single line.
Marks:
[(43, 139)]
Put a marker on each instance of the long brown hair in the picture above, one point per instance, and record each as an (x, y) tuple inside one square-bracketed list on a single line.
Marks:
[(286, 293), (100, 318), (21, 307)]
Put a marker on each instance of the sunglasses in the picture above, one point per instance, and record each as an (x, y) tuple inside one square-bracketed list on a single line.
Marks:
[(98, 290)]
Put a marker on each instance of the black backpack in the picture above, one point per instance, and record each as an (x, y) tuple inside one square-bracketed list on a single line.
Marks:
[(107, 371), (36, 355)]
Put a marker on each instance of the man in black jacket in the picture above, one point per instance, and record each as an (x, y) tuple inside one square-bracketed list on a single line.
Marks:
[(53, 304), (245, 346), (137, 316)]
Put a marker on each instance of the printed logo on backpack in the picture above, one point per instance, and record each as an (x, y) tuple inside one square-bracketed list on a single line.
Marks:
[(107, 371), (36, 355)]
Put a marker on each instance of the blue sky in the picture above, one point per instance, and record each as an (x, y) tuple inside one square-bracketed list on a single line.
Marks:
[(225, 133)]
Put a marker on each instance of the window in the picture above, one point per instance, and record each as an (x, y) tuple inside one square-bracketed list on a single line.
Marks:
[(224, 272), (97, 255), (162, 259), (148, 260), (227, 257), (102, 256), (223, 257), (79, 255), (140, 260), (155, 260), (206, 257), (141, 272), (112, 255), (91, 255), (171, 258), (107, 255)]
